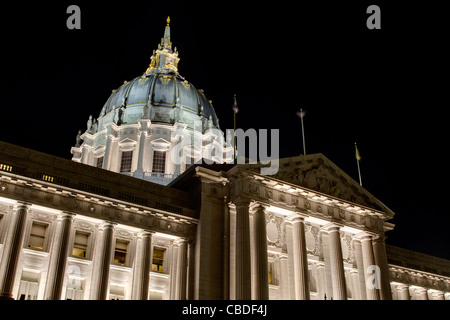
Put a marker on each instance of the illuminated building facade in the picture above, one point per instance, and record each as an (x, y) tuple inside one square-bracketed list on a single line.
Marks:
[(124, 221)]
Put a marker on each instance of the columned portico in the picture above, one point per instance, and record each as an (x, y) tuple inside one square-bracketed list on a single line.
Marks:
[(12, 249)]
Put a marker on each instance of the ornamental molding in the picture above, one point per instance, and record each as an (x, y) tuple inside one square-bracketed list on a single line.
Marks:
[(80, 203), (418, 278), (306, 201)]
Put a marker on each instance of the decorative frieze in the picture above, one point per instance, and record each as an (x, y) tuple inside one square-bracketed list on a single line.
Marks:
[(315, 205), (101, 209), (418, 278)]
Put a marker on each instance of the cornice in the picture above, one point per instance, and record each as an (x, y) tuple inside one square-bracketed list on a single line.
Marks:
[(155, 218)]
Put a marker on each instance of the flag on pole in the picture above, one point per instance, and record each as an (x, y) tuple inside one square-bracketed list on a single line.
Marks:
[(358, 156), (235, 107)]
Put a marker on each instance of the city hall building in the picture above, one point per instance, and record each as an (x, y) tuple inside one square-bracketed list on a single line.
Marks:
[(123, 220)]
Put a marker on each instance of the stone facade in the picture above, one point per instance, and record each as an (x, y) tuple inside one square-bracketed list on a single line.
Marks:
[(73, 231)]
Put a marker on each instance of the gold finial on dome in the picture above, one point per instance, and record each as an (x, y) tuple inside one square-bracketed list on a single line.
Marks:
[(168, 21)]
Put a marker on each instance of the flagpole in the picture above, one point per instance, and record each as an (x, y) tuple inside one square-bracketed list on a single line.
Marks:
[(234, 114), (303, 132), (357, 162)]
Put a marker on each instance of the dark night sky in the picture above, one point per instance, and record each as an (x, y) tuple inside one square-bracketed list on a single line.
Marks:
[(381, 88)]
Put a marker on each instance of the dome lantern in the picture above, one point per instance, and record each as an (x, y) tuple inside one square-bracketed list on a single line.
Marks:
[(164, 59)]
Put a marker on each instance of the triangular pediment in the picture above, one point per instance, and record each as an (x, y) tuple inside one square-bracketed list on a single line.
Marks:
[(316, 172), (127, 141), (160, 141)]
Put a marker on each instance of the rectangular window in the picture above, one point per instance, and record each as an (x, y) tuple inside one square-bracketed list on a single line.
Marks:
[(158, 259), (29, 286), (159, 161), (125, 164), (116, 292), (100, 162), (80, 244), (75, 289), (120, 252), (37, 235), (272, 274)]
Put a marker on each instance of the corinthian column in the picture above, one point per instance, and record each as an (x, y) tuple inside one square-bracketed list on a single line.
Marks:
[(300, 259), (260, 269), (141, 279), (379, 250), (12, 249), (336, 263), (100, 272), (370, 269), (242, 261), (58, 258)]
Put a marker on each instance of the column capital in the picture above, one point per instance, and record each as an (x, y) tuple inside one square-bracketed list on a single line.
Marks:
[(180, 241), (379, 238), (256, 206), (363, 236), (107, 225), (145, 233), (331, 227), (241, 201), (66, 215), (22, 204)]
